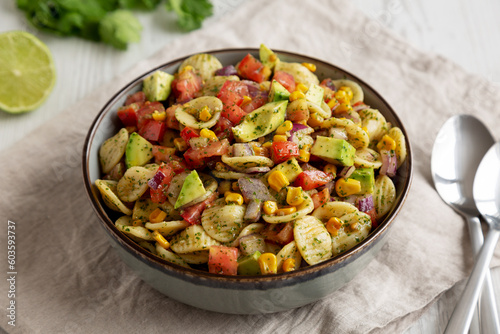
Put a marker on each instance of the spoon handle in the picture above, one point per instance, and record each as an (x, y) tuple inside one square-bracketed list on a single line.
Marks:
[(488, 309), (462, 315)]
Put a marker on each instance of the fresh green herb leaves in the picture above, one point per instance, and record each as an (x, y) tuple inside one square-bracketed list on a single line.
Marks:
[(191, 13), (120, 27)]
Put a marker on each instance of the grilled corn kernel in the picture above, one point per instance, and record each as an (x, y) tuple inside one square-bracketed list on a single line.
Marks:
[(348, 92), (347, 187), (270, 207), (333, 226), (333, 103), (260, 151), (330, 169), (267, 144), (180, 144), (294, 196), (297, 95), (277, 180), (315, 120), (287, 210), (157, 216), (341, 96), (205, 114), (206, 133), (304, 155), (343, 107), (233, 198), (246, 100), (137, 222), (284, 128), (161, 239), (268, 264), (159, 116), (309, 66), (301, 87), (289, 265), (280, 138), (386, 143)]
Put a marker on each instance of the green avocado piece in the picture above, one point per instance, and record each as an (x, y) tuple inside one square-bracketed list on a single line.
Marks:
[(333, 150), (192, 188), (315, 94), (366, 177), (278, 92), (138, 151), (267, 56), (261, 121), (249, 265), (157, 86)]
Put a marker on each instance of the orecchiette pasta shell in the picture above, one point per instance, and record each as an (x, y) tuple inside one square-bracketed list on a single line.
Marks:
[(230, 175), (313, 240), (333, 209), (168, 228), (398, 136), (134, 183), (124, 220), (213, 85), (148, 246), (175, 187), (186, 119), (357, 91), (290, 250), (170, 256), (247, 230), (314, 108), (192, 239), (304, 208), (348, 237), (367, 158), (242, 163), (112, 150), (204, 63), (356, 136), (223, 222), (384, 195), (374, 122), (135, 231), (195, 257), (300, 72), (108, 192), (272, 248)]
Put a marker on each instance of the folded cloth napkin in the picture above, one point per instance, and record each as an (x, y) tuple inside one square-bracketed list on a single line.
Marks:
[(69, 279)]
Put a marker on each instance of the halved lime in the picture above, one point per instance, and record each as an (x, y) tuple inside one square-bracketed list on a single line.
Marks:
[(27, 72)]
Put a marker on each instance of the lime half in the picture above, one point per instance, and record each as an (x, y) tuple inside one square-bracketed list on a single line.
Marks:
[(27, 72)]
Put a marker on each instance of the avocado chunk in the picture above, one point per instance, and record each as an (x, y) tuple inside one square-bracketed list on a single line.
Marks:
[(138, 151), (336, 151), (192, 188), (157, 86), (366, 177), (315, 94), (249, 265), (261, 121), (278, 92), (290, 168), (267, 56)]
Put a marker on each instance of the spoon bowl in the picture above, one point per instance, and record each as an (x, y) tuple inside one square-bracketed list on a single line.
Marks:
[(487, 187)]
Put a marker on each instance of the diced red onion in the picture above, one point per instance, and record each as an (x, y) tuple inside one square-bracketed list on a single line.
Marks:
[(389, 163), (300, 134), (328, 83), (347, 171), (227, 71), (365, 203), (252, 170), (253, 88), (253, 211), (242, 150), (329, 185), (353, 116), (156, 180), (360, 106), (307, 166), (252, 189)]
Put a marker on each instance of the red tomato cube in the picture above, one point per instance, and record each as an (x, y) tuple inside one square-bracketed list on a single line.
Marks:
[(283, 150), (223, 260)]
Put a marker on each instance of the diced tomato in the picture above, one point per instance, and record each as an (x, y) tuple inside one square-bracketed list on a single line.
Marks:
[(279, 233), (152, 130), (223, 129), (328, 83), (159, 195), (178, 164), (286, 79), (232, 92), (321, 198), (192, 214), (223, 260), (283, 150), (186, 85), (163, 154), (373, 216), (128, 114), (310, 179), (298, 111), (257, 102), (234, 113), (251, 68), (145, 112), (195, 156), (139, 98), (170, 120), (188, 133)]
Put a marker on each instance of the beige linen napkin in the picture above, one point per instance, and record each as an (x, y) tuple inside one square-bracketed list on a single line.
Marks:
[(69, 280)]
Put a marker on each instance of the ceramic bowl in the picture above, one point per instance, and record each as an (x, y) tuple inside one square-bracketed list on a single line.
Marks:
[(233, 294)]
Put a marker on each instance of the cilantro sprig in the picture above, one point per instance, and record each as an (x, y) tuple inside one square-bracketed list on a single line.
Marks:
[(108, 21)]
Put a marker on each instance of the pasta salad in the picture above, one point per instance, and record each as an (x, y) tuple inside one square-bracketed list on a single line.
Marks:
[(255, 168)]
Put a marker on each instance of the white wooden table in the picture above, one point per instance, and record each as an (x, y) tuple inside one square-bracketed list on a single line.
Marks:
[(466, 32)]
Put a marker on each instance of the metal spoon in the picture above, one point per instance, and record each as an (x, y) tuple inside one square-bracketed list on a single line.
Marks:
[(459, 147), (487, 197)]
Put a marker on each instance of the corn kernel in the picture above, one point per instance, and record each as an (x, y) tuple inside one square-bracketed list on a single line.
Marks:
[(205, 114), (354, 226), (347, 187), (246, 100), (315, 120), (348, 92), (330, 169), (233, 198), (365, 129), (333, 103), (343, 107), (187, 68), (161, 239), (281, 138), (180, 144), (270, 207), (311, 67), (137, 222), (341, 96), (288, 265), (277, 180), (287, 210), (266, 72), (303, 122), (333, 226), (159, 116), (267, 144), (386, 143), (301, 87), (206, 133), (157, 216), (260, 151), (297, 95), (284, 128), (304, 155), (268, 264), (235, 186), (294, 196)]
